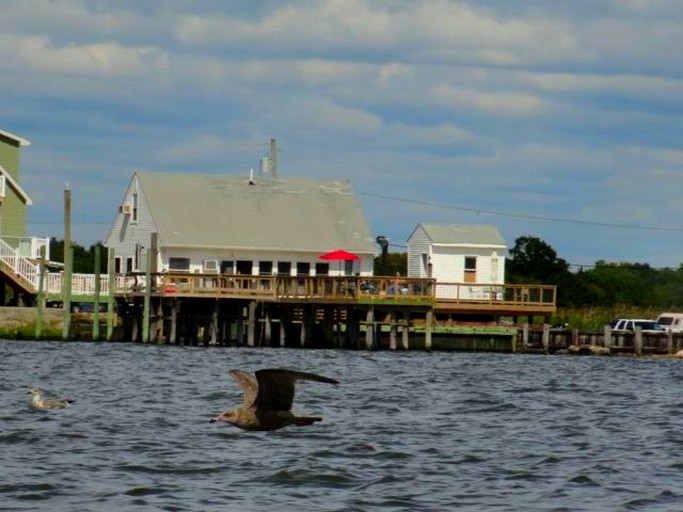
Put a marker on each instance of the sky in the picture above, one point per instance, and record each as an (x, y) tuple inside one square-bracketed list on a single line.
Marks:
[(561, 120)]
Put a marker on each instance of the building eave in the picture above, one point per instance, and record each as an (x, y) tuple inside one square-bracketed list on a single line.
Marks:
[(20, 140)]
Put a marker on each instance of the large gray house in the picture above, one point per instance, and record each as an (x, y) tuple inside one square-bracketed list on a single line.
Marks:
[(239, 225)]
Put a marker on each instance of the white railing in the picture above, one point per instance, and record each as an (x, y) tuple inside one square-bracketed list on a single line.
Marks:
[(81, 284), (24, 267)]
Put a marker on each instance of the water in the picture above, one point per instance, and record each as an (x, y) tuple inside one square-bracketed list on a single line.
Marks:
[(403, 432)]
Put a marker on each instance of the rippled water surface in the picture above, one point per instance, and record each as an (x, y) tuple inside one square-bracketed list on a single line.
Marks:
[(403, 431)]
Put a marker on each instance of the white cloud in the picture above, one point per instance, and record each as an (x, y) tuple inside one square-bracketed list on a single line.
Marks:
[(325, 114), (502, 103), (40, 54)]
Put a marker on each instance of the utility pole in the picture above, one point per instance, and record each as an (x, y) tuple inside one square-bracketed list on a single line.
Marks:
[(273, 157)]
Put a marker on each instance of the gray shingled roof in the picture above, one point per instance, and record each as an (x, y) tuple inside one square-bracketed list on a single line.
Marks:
[(463, 234), (274, 214)]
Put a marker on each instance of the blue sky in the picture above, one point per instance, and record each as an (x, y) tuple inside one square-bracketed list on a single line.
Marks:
[(561, 120)]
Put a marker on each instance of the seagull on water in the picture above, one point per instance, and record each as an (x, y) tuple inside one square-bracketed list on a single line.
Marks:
[(268, 400), (39, 402)]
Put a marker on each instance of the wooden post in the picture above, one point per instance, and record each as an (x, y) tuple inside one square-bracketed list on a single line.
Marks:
[(147, 299), (429, 323), (268, 329), (393, 331), (607, 341), (513, 343), (405, 332), (173, 338), (68, 266), (284, 322), (214, 325), (525, 336), (669, 342), (638, 341), (370, 329), (545, 340), (41, 295), (135, 327), (251, 324), (110, 298), (96, 308)]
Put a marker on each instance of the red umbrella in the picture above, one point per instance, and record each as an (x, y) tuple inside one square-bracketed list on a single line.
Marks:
[(339, 255)]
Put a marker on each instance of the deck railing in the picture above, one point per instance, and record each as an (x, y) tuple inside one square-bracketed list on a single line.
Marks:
[(500, 294), (351, 289)]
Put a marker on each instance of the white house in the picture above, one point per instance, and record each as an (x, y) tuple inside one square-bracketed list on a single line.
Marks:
[(457, 254), (239, 225)]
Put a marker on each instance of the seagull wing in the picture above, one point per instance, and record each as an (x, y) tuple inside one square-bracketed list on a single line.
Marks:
[(248, 384), (276, 387)]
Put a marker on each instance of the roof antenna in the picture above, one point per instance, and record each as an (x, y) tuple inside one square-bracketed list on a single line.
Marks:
[(251, 176)]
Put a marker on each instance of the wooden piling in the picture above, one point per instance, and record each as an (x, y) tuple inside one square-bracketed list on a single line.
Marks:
[(41, 295), (146, 307), (405, 331), (429, 324), (110, 299), (545, 339), (638, 341), (607, 336), (370, 329), (96, 306), (251, 324), (68, 266), (393, 331)]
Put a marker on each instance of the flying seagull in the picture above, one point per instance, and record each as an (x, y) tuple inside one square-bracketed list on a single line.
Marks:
[(39, 402), (268, 400)]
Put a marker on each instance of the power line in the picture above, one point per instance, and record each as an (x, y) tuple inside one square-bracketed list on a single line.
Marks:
[(522, 215)]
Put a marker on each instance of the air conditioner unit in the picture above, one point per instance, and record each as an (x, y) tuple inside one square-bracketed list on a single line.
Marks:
[(125, 209), (210, 266)]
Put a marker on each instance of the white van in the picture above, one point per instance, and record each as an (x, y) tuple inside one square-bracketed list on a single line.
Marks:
[(671, 321)]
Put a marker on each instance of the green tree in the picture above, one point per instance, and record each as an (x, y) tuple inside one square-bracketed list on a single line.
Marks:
[(534, 261), (84, 259)]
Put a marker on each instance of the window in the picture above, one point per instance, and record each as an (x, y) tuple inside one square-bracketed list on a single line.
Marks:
[(182, 264), (3, 186), (134, 218), (227, 267), (303, 268), (117, 265), (244, 267), (470, 269), (322, 269), (284, 268), (129, 264), (210, 265), (265, 268)]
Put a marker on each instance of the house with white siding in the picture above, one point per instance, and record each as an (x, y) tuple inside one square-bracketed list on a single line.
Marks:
[(239, 225), (457, 254)]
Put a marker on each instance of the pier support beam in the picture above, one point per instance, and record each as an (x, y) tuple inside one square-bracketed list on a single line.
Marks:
[(405, 332), (429, 321), (251, 324), (545, 340), (638, 341), (213, 331), (268, 329), (370, 329), (393, 331), (175, 308)]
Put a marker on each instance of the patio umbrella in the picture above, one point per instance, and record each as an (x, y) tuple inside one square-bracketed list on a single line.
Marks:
[(339, 255)]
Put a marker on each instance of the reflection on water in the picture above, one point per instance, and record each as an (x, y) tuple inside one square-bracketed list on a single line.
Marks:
[(403, 431)]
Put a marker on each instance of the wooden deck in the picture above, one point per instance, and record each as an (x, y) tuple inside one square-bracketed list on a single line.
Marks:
[(441, 297)]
